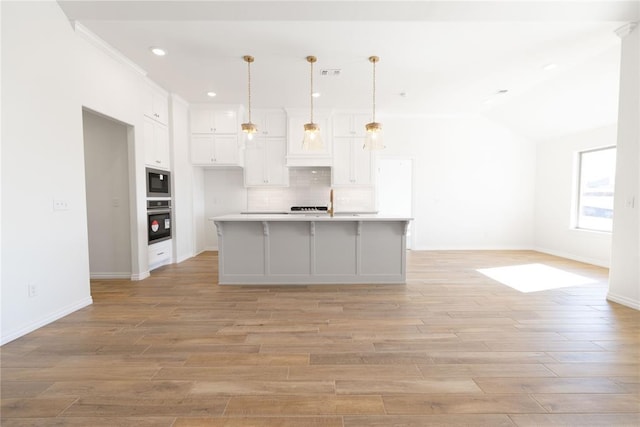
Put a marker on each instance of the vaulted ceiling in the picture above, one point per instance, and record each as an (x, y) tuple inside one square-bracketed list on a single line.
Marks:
[(436, 57)]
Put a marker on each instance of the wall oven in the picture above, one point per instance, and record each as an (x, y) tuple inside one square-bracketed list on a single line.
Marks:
[(158, 220), (158, 183)]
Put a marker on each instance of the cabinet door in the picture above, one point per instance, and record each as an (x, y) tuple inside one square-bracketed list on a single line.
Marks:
[(275, 124), (350, 125), (161, 107), (202, 149), (149, 143), (225, 122), (277, 173), (341, 170), (201, 121), (254, 164), (362, 163), (163, 152), (156, 144), (226, 150)]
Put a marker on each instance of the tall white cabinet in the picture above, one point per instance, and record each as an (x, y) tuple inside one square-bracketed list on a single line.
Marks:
[(352, 164), (265, 153), (156, 132), (214, 136)]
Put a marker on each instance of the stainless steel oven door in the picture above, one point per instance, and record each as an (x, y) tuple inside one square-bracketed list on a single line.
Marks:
[(158, 225)]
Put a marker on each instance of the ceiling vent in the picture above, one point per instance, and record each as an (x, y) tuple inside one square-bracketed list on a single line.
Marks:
[(334, 72)]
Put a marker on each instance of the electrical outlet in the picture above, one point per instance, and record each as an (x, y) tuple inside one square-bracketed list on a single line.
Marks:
[(60, 205), (32, 289)]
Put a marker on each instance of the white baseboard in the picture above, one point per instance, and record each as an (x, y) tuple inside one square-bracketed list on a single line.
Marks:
[(587, 260), (184, 258), (628, 302), (110, 275), (46, 320), (140, 276)]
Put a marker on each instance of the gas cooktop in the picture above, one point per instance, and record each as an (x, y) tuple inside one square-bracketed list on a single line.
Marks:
[(309, 209)]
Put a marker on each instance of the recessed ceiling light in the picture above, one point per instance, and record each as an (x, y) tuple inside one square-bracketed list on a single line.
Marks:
[(550, 66), (316, 94), (158, 51), (211, 94)]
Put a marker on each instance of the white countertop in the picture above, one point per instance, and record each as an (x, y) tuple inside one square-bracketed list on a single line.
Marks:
[(308, 217)]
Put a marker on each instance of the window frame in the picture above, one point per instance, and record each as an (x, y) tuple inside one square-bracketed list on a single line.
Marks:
[(577, 195)]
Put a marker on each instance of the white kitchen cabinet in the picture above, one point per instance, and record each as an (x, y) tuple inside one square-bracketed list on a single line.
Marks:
[(214, 150), (156, 144), (214, 136), (218, 121), (160, 254), (156, 104), (350, 124), (352, 165), (296, 155), (264, 163), (270, 123)]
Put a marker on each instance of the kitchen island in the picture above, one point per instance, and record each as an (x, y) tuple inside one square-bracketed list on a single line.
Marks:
[(311, 249)]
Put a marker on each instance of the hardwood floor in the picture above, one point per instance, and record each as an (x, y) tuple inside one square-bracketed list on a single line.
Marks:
[(452, 347)]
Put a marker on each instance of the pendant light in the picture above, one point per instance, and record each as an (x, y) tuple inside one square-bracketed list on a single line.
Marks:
[(373, 140), (312, 139), (249, 128)]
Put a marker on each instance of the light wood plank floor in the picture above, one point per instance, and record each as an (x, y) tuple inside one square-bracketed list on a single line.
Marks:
[(452, 347)]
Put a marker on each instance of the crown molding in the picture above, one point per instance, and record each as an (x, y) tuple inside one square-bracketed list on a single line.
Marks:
[(626, 29), (105, 47)]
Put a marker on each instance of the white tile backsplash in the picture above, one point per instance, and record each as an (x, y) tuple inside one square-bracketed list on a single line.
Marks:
[(310, 187)]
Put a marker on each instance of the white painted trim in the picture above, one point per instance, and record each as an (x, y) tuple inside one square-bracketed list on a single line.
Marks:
[(626, 29), (184, 258), (105, 47), (141, 276), (107, 275), (628, 302), (588, 260), (209, 248), (46, 320)]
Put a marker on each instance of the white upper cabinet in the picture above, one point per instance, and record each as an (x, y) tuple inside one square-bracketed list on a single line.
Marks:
[(296, 155), (264, 155), (270, 123), (219, 121), (352, 165), (156, 144), (264, 163), (349, 125), (214, 136), (156, 104)]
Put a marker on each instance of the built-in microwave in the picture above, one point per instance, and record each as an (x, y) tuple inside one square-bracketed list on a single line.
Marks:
[(158, 183)]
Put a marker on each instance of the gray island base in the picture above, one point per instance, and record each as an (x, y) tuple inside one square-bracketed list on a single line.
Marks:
[(316, 249)]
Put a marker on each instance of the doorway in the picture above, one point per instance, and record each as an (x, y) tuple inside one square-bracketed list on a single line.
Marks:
[(395, 190), (107, 183)]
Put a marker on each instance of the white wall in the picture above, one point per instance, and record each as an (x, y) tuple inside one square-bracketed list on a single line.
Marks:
[(624, 278), (182, 171), (199, 217), (473, 181), (107, 189), (224, 193), (555, 186), (42, 161)]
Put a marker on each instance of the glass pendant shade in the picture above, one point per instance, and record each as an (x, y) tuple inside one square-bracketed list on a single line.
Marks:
[(249, 128), (312, 140), (374, 139)]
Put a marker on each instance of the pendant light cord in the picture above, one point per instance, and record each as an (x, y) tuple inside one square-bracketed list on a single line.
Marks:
[(311, 92), (249, 88), (374, 91)]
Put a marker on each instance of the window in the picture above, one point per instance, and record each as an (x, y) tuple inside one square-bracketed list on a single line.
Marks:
[(596, 178)]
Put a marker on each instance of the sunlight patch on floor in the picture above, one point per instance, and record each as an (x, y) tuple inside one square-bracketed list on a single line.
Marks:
[(534, 277)]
